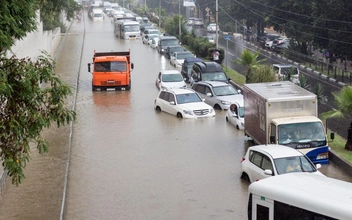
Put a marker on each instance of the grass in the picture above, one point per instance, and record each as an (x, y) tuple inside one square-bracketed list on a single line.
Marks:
[(337, 145)]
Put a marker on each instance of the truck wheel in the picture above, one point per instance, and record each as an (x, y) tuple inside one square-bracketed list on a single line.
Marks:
[(94, 88)]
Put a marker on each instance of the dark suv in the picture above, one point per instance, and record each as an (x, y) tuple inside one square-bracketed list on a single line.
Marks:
[(165, 42), (171, 49), (208, 71), (187, 66)]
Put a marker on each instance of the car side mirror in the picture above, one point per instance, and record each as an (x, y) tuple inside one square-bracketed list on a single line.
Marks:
[(318, 166), (132, 66), (209, 94), (172, 103), (272, 139), (89, 67), (268, 172)]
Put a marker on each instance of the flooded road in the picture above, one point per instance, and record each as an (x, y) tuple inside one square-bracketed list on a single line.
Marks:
[(128, 161)]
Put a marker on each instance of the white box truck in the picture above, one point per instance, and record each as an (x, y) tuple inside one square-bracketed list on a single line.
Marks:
[(287, 114)]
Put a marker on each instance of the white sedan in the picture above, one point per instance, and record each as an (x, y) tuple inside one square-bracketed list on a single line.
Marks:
[(177, 58), (154, 43), (147, 39), (184, 103), (235, 115), (169, 79)]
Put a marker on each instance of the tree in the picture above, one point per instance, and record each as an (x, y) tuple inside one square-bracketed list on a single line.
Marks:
[(249, 60), (27, 108), (262, 73), (343, 101), (16, 20)]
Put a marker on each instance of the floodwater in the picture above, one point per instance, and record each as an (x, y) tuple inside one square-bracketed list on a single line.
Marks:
[(128, 161)]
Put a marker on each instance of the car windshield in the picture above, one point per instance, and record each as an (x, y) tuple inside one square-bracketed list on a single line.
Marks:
[(182, 56), (154, 32), (225, 90), (172, 77), (187, 98), (306, 132), (289, 70), (293, 164), (170, 42), (175, 49), (214, 76)]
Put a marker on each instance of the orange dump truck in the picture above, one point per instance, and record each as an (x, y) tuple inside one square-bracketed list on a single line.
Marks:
[(111, 70)]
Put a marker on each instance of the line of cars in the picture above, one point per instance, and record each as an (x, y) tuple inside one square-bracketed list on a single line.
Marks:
[(209, 90)]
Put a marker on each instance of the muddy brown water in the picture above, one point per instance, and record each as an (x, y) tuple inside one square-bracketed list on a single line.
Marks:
[(128, 161)]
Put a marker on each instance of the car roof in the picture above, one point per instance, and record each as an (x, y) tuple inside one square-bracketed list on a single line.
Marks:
[(193, 59), (170, 72), (284, 65), (209, 66), (181, 91), (184, 52), (277, 151), (213, 83)]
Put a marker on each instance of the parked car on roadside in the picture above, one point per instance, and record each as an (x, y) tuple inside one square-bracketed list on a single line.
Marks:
[(269, 37), (147, 39), (187, 66), (217, 94), (184, 103), (235, 115), (177, 58), (208, 71), (154, 43), (269, 40), (172, 49), (262, 161), (170, 79), (190, 21)]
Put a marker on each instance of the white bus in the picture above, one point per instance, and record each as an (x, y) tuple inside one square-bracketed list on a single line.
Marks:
[(299, 196)]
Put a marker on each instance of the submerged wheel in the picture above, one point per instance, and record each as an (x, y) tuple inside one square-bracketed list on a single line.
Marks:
[(227, 120), (158, 109), (179, 115)]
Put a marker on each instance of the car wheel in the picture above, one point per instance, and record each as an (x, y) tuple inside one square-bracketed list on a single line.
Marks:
[(238, 128), (216, 106), (227, 119), (94, 88), (158, 109), (244, 176), (179, 115)]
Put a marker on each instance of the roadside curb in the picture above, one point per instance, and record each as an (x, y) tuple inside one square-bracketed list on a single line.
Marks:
[(340, 162)]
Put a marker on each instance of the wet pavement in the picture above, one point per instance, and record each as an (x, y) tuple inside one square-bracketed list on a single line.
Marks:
[(128, 161)]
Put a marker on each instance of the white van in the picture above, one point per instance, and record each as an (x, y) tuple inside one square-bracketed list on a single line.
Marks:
[(283, 70), (97, 14)]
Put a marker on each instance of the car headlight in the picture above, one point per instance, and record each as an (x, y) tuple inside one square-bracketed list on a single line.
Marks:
[(225, 102), (211, 110), (163, 50), (188, 112)]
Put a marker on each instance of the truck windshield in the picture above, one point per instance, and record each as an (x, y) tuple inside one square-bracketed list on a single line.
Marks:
[(214, 76), (302, 133), (132, 28), (114, 66)]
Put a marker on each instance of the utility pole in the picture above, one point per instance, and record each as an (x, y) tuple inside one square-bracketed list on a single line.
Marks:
[(159, 12), (179, 19), (217, 23)]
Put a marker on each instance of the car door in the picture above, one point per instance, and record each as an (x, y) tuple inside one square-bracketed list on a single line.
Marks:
[(164, 101), (254, 167), (171, 108)]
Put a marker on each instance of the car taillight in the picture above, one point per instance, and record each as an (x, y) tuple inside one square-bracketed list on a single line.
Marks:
[(243, 159)]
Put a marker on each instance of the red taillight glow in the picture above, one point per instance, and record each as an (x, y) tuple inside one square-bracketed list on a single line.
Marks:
[(243, 159)]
